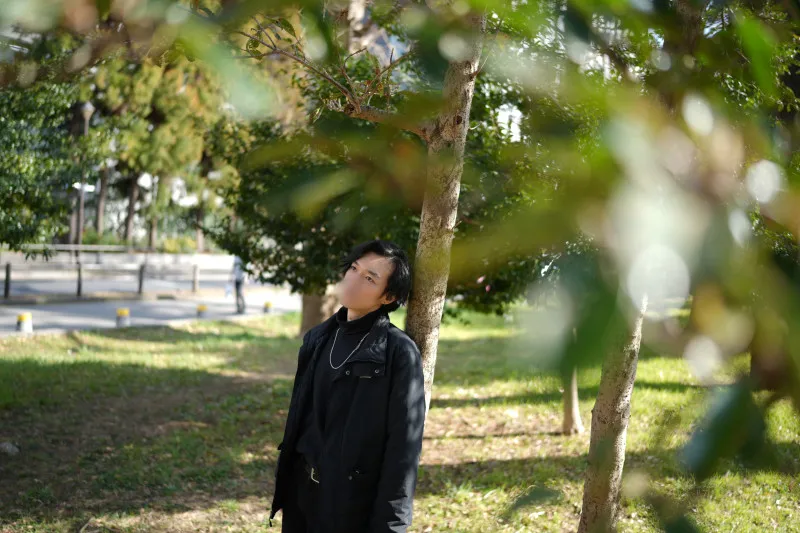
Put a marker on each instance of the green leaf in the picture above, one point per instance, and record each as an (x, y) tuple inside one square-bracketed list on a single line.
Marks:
[(103, 8), (252, 48), (535, 495), (287, 27), (599, 324), (733, 425), (672, 517), (760, 46), (576, 22)]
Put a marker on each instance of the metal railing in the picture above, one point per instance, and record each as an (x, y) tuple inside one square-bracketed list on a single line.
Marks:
[(142, 271), (81, 248), (121, 261)]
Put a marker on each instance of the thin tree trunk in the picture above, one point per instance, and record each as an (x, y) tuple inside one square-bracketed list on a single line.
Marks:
[(440, 204), (99, 220), (73, 220), (610, 415), (200, 236), (317, 308), (152, 234), (572, 423), (133, 197)]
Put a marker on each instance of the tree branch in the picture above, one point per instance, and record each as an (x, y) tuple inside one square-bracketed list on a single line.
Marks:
[(344, 69), (388, 67), (353, 108), (379, 116), (619, 62), (318, 71)]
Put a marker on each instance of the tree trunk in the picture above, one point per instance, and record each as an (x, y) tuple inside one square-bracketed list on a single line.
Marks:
[(200, 236), (317, 308), (102, 195), (572, 423), (133, 197), (73, 220), (152, 233), (610, 415), (440, 204)]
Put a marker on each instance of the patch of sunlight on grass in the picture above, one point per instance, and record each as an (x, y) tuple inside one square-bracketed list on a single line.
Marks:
[(229, 506), (784, 424)]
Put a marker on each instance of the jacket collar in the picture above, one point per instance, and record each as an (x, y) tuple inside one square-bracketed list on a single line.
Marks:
[(373, 349), (360, 325)]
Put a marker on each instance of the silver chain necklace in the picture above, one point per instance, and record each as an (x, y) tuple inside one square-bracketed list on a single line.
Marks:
[(330, 355)]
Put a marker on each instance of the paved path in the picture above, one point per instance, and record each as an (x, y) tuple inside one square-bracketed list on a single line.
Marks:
[(50, 318)]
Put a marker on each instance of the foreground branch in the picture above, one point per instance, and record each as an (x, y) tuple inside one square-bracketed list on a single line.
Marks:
[(379, 116)]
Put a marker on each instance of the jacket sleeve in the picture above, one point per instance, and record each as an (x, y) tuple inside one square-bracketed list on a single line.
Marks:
[(301, 353), (405, 423)]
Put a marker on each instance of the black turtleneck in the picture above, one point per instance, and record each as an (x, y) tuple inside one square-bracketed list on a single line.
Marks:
[(339, 346)]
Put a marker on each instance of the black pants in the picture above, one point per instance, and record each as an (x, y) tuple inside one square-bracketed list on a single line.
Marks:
[(300, 510)]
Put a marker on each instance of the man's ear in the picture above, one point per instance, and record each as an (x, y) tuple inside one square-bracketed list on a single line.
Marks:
[(386, 300)]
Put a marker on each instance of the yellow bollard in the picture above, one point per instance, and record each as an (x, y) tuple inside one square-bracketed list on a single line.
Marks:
[(123, 317), (267, 307), (25, 323), (201, 310)]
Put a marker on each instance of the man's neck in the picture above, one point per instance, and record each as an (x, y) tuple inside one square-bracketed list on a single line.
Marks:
[(354, 314)]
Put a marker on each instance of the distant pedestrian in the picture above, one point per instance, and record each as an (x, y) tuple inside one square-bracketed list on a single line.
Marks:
[(238, 281)]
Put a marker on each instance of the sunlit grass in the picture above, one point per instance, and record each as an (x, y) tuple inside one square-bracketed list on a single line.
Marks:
[(175, 429)]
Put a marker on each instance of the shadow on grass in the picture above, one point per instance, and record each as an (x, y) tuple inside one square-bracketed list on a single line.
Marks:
[(117, 437), (84, 365), (241, 346), (584, 393), (146, 417), (134, 437), (519, 473)]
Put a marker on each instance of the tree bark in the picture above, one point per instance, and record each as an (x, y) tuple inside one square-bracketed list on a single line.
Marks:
[(572, 423), (440, 204), (610, 415), (133, 197), (317, 308), (200, 236), (102, 195)]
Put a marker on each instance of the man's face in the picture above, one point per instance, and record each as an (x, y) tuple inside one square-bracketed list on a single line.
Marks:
[(364, 283)]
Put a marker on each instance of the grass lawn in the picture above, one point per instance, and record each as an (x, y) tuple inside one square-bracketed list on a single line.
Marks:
[(175, 429)]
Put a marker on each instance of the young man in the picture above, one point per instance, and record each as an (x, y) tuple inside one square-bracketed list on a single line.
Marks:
[(350, 451)]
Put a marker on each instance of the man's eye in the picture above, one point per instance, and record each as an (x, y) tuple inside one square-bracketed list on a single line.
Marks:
[(352, 267), (370, 279)]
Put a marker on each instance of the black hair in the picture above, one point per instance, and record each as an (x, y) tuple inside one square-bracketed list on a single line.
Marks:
[(399, 283)]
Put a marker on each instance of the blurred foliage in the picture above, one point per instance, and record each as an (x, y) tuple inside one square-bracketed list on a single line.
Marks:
[(90, 236), (178, 245), (37, 169), (663, 135), (161, 115), (288, 233)]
